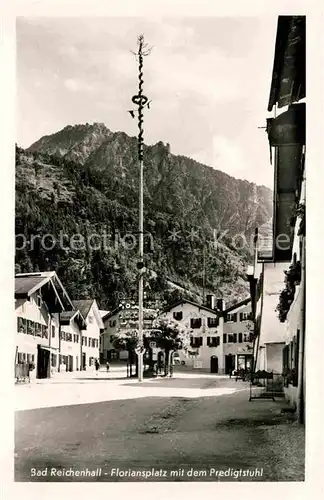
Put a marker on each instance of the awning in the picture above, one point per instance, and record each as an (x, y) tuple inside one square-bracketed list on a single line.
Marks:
[(289, 127)]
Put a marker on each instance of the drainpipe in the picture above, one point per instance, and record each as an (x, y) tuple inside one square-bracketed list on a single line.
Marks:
[(300, 387), (81, 340), (59, 351), (50, 345)]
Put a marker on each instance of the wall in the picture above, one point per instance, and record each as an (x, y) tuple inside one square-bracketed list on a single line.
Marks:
[(116, 324), (28, 309), (71, 348), (110, 331), (190, 311), (271, 329), (273, 357), (93, 332)]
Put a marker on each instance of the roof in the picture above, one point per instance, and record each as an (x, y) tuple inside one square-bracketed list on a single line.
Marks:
[(195, 304), (67, 316), (111, 313), (26, 285), (289, 73), (83, 306), (239, 304)]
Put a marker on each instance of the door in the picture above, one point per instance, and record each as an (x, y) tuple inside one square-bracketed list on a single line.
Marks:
[(214, 364), (229, 363), (43, 365)]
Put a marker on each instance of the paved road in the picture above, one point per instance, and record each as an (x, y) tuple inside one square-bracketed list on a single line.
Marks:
[(186, 423)]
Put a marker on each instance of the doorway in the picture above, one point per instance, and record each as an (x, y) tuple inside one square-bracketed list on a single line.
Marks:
[(43, 362), (214, 364), (229, 363)]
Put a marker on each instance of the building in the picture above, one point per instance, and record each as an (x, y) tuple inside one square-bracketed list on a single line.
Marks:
[(205, 326), (72, 323), (277, 280), (90, 332), (219, 337), (238, 337), (123, 320), (39, 299)]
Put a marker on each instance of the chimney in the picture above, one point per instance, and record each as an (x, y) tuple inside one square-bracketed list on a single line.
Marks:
[(220, 304), (210, 301)]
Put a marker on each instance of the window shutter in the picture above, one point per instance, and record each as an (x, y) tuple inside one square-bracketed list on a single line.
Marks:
[(217, 341), (240, 338), (297, 351), (224, 338), (208, 341)]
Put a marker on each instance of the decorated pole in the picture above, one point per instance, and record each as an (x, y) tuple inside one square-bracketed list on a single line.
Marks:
[(141, 101)]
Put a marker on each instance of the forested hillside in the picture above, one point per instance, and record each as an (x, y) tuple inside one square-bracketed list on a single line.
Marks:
[(83, 181)]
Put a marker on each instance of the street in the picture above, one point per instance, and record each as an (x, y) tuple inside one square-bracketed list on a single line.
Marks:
[(192, 421)]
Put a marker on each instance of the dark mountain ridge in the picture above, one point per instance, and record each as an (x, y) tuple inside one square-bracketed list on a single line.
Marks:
[(84, 180)]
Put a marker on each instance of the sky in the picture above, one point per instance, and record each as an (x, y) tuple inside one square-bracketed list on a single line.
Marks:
[(208, 79)]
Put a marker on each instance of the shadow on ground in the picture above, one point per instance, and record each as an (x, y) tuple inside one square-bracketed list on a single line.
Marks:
[(163, 432)]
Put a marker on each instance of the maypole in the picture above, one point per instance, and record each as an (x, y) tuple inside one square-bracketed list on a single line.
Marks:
[(141, 101)]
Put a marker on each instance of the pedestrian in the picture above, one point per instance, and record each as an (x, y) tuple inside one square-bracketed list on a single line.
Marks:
[(107, 366), (97, 366)]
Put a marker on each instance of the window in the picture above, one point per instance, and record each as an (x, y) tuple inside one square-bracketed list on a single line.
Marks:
[(30, 327), (94, 343), (224, 338), (178, 315), (38, 300), (196, 341), (53, 360), (213, 341), (22, 325), (90, 319), (246, 337), (53, 331), (235, 337), (245, 316), (76, 338), (195, 322), (231, 317), (230, 337), (212, 322), (112, 323), (240, 338), (85, 341)]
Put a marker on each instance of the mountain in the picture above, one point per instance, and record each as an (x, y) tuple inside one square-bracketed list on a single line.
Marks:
[(84, 180)]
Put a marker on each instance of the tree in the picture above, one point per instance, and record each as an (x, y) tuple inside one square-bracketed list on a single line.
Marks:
[(169, 337), (127, 342)]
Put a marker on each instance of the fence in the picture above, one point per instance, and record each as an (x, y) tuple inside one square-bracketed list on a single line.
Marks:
[(266, 385), (22, 373)]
